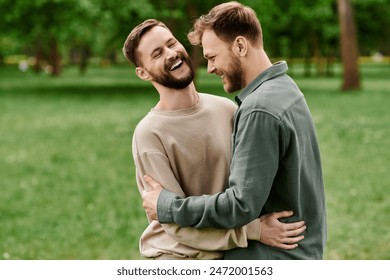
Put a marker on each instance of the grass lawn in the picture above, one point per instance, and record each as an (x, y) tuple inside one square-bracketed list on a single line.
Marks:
[(67, 177)]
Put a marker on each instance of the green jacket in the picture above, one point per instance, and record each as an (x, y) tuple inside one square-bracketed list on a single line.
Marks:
[(275, 166)]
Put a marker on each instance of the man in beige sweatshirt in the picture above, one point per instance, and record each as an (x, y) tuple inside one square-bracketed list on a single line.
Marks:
[(185, 141)]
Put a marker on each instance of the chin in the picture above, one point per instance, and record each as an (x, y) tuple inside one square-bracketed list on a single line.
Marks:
[(231, 88), (228, 89)]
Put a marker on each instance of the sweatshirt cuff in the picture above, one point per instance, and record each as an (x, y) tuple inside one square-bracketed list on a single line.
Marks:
[(164, 209), (253, 230)]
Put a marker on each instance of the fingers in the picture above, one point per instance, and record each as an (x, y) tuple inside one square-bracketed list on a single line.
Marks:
[(290, 242), (151, 182), (265, 216), (282, 214), (287, 246), (143, 194), (297, 231), (293, 240), (149, 203), (294, 226)]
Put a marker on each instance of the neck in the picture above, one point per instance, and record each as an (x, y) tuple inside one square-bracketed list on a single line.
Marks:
[(257, 61), (176, 99)]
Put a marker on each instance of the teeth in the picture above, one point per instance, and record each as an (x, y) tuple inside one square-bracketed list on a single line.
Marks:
[(176, 64)]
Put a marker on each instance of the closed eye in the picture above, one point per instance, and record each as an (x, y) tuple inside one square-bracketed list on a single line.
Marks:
[(210, 58), (157, 53), (171, 43)]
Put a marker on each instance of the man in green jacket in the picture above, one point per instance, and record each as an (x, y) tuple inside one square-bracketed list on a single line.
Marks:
[(276, 161)]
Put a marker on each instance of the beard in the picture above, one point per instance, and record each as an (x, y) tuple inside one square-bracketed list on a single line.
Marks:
[(233, 75), (166, 79)]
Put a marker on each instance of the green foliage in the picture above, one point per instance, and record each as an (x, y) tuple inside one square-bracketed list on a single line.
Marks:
[(67, 178), (300, 28), (372, 25), (297, 28)]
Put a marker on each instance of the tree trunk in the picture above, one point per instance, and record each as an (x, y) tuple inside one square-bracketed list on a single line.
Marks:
[(349, 49), (38, 55), (330, 58), (308, 59), (317, 54), (85, 54), (55, 58)]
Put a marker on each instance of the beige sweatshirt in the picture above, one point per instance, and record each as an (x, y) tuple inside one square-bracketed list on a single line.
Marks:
[(188, 151)]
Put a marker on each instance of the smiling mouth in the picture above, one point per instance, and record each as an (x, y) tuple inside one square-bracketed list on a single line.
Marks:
[(176, 65)]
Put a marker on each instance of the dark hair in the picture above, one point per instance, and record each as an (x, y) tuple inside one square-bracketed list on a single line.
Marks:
[(132, 42), (228, 20)]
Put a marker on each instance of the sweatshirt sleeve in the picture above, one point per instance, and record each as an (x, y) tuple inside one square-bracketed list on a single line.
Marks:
[(212, 239)]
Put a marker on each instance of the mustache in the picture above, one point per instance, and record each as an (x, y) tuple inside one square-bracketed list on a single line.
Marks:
[(185, 58)]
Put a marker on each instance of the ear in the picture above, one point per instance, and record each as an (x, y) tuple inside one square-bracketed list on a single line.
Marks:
[(240, 46), (142, 74)]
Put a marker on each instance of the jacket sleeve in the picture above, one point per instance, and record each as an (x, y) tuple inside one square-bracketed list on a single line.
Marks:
[(157, 165)]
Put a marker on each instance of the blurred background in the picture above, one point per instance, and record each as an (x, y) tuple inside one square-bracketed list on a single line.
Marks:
[(69, 103)]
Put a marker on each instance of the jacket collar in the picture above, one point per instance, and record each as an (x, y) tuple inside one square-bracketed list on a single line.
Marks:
[(276, 69)]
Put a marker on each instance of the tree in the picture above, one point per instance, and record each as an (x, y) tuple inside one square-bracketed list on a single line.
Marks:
[(42, 27), (300, 29), (349, 48), (52, 29), (372, 19)]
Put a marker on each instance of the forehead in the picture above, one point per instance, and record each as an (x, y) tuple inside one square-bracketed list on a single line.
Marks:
[(154, 38), (212, 44)]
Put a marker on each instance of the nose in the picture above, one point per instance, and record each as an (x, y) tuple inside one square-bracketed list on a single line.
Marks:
[(210, 67), (171, 53)]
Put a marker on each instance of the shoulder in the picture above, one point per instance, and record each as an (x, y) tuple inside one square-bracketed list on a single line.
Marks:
[(216, 98), (218, 101), (273, 97), (147, 133)]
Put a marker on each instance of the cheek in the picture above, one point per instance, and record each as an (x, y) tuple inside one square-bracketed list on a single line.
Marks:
[(223, 60), (159, 65), (220, 64), (184, 53)]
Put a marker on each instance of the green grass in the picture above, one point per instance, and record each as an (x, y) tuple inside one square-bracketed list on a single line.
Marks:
[(354, 135), (67, 177), (68, 189)]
